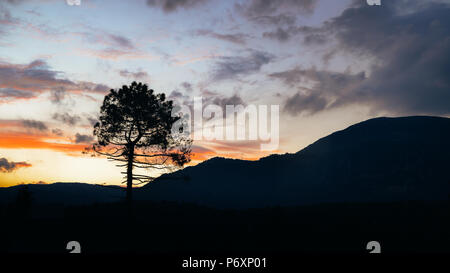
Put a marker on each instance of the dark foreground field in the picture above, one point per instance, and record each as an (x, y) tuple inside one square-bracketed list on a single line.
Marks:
[(401, 228)]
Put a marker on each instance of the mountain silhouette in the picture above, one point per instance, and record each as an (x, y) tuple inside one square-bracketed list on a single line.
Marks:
[(378, 160)]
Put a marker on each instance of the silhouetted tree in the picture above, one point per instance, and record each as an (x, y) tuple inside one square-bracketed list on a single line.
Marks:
[(135, 128)]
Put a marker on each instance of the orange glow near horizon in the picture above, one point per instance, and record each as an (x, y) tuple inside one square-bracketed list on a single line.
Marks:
[(26, 141), (50, 159)]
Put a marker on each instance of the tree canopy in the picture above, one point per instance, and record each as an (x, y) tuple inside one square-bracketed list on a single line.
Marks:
[(136, 127)]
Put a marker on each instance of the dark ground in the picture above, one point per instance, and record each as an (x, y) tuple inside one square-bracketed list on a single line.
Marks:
[(401, 228)]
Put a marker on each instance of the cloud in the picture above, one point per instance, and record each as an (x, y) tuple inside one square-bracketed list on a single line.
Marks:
[(304, 103), (11, 93), (232, 100), (9, 166), (175, 94), (121, 41), (83, 139), (94, 87), (173, 5), (329, 89), (58, 95), (235, 66), (290, 77), (57, 132), (135, 75), (284, 19), (34, 124), (256, 8), (92, 120), (237, 38), (280, 34), (5, 17), (408, 46), (6, 20), (37, 77), (117, 54), (101, 37), (67, 118), (280, 14), (311, 35), (33, 76), (187, 86), (14, 2)]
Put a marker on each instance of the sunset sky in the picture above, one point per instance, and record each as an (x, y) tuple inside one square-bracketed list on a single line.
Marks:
[(328, 64)]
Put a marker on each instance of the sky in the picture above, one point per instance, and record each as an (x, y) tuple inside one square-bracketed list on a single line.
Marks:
[(327, 64)]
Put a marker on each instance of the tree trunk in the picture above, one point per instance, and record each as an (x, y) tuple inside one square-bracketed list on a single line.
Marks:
[(130, 175)]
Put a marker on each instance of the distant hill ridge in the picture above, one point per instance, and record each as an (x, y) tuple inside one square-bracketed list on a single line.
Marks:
[(378, 160)]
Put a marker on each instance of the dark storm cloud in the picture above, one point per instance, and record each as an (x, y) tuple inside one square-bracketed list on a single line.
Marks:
[(34, 124), (409, 42), (173, 5), (232, 67), (67, 118), (237, 38), (83, 138), (329, 89), (7, 166)]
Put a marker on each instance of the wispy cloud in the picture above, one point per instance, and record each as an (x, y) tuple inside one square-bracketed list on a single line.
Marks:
[(117, 54), (236, 38), (134, 75)]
